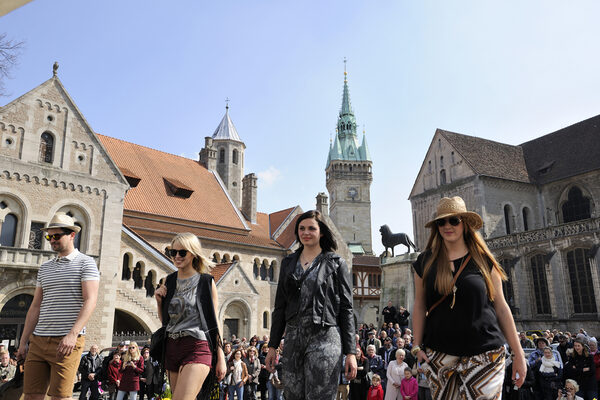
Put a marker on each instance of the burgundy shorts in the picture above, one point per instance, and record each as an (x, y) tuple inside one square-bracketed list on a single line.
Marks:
[(186, 350)]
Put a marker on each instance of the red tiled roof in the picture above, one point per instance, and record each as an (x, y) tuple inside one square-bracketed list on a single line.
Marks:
[(165, 227), (208, 203), (277, 218), (371, 261), (288, 236), (219, 270)]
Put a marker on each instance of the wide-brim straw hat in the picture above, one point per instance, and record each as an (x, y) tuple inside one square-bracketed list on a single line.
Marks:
[(61, 220), (455, 206)]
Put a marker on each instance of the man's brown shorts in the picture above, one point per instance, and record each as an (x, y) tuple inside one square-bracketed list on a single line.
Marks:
[(44, 370)]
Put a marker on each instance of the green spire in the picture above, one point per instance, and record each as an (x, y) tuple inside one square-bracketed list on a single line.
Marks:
[(346, 106)]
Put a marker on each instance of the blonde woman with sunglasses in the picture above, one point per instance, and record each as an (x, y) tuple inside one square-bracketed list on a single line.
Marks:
[(460, 317), (131, 369), (187, 307)]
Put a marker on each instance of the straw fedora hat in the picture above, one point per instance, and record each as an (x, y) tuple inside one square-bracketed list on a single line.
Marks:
[(62, 220), (448, 207)]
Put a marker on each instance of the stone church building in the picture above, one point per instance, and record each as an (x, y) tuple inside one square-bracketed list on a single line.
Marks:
[(129, 201), (539, 202)]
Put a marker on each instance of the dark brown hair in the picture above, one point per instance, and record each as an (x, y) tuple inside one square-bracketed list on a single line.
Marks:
[(327, 241)]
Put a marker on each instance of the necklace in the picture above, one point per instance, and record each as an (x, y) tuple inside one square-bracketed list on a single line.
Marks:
[(305, 263), (454, 288)]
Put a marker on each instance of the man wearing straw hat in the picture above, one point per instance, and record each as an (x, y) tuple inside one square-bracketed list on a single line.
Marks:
[(65, 297)]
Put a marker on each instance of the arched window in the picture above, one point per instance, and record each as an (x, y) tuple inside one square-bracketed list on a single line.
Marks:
[(46, 147), (540, 285), (77, 240), (580, 276), (443, 177), (266, 320), (526, 219), (235, 156), (263, 270), (442, 161), (137, 276), (577, 207), (508, 219), (507, 286), (452, 157), (272, 272), (255, 268), (126, 272), (222, 156), (149, 283), (429, 167), (8, 234)]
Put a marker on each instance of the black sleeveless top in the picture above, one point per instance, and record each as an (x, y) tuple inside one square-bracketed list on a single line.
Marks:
[(471, 327)]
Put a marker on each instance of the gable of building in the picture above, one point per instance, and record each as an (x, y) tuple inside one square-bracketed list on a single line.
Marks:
[(45, 127)]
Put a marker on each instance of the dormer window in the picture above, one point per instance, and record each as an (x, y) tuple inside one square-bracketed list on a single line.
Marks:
[(177, 189)]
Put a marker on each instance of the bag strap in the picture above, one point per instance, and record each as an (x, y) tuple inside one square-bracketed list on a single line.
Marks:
[(440, 301)]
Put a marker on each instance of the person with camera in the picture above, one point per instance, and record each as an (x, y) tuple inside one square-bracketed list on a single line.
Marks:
[(568, 392), (7, 370)]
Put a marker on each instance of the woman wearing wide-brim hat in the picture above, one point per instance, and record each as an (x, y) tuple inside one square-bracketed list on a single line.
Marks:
[(460, 317)]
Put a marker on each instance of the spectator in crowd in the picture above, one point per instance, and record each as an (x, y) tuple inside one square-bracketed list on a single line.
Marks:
[(395, 374), (548, 372), (375, 391), (318, 321), (424, 392), (114, 374), (275, 384), (526, 343), (90, 367), (389, 313), (376, 363), (564, 344), (538, 353), (7, 370), (526, 391), (596, 355), (263, 377), (372, 340), (359, 386), (65, 296), (569, 391), (409, 387), (581, 368), (147, 380), (403, 315), (253, 367), (131, 369), (238, 375), (460, 313), (387, 352)]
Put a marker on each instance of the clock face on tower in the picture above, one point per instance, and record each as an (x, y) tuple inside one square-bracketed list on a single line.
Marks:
[(352, 192)]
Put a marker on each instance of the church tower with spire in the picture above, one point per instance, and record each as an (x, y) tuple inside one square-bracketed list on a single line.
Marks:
[(224, 152), (348, 178)]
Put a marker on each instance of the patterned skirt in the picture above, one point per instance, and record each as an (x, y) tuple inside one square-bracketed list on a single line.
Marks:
[(478, 377)]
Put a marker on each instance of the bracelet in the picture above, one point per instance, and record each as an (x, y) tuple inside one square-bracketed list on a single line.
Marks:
[(415, 350)]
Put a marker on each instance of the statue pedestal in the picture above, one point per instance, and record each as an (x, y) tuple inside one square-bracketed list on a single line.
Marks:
[(398, 282)]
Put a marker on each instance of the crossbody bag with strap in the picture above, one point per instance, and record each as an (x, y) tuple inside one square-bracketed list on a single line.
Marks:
[(441, 300)]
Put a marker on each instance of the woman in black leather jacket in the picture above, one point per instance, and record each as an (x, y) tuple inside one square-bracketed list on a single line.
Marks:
[(313, 305)]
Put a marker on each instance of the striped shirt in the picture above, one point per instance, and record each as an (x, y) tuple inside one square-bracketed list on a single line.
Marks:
[(60, 280)]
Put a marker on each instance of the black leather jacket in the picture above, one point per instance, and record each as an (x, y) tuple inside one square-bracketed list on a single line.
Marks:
[(332, 302), (89, 365)]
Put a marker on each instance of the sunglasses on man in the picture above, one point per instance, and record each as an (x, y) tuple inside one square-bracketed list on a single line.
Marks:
[(55, 236), (454, 221), (173, 253)]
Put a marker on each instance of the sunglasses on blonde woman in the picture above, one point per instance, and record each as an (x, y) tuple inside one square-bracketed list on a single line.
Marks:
[(182, 252), (454, 221)]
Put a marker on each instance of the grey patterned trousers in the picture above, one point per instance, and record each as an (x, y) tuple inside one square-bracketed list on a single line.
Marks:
[(312, 362)]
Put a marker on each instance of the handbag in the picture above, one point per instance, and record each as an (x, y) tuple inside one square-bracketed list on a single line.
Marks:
[(158, 342)]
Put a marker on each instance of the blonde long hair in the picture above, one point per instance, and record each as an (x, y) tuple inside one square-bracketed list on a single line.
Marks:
[(478, 250), (136, 355), (191, 243)]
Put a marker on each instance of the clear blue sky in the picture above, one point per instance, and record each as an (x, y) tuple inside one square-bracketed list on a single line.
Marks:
[(157, 74)]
